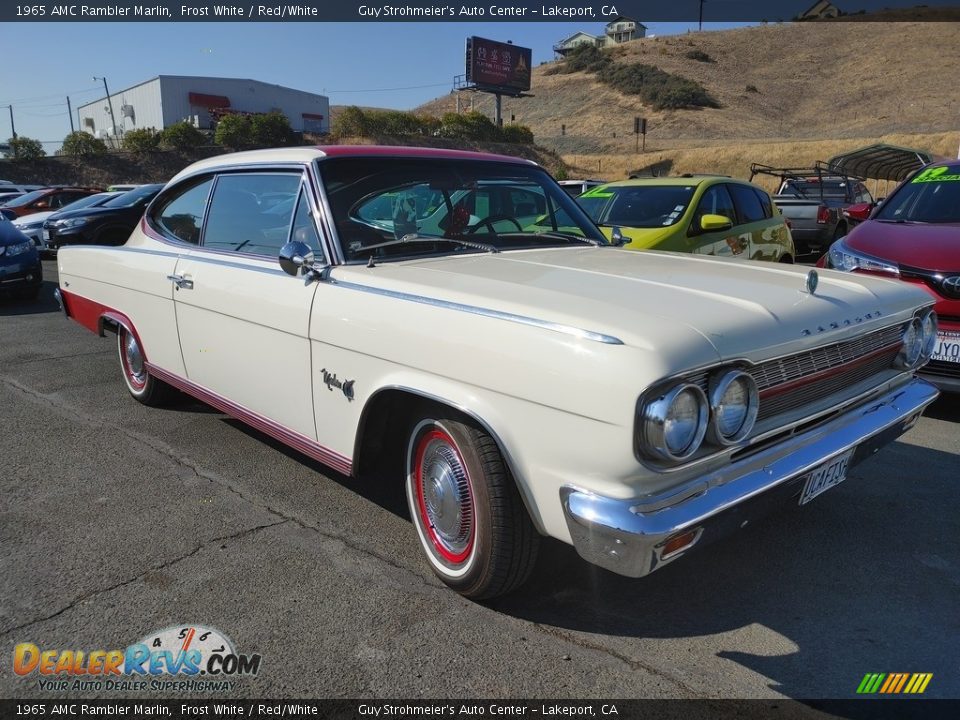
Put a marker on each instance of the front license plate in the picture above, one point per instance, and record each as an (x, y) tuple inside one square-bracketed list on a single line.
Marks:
[(948, 347), (831, 473)]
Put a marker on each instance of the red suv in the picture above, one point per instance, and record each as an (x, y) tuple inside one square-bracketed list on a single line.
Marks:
[(914, 235), (51, 198)]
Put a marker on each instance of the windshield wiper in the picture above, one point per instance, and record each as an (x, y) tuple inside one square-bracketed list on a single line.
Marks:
[(414, 238), (558, 236)]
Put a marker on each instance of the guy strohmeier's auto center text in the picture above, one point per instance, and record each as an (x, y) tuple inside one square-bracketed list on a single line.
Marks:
[(170, 11)]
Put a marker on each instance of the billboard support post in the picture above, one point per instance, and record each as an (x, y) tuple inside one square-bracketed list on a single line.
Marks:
[(498, 115)]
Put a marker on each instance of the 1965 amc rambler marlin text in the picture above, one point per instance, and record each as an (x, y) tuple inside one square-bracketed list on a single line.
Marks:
[(455, 319)]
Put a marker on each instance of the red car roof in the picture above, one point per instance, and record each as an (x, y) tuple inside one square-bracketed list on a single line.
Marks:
[(415, 152)]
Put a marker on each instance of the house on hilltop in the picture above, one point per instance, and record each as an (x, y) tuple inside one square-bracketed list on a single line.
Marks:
[(619, 30)]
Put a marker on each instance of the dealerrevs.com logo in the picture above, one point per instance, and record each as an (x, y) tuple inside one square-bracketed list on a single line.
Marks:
[(181, 658)]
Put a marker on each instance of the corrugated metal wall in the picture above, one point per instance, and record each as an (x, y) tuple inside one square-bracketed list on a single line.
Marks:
[(164, 101)]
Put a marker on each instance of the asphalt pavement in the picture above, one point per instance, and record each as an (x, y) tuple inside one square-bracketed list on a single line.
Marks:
[(118, 520)]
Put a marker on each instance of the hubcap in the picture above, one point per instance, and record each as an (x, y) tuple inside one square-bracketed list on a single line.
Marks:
[(134, 359), (446, 503)]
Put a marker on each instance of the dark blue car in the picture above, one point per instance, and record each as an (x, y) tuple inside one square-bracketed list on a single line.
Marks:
[(20, 270)]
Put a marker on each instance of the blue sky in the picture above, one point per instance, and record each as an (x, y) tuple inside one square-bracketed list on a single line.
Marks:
[(397, 65)]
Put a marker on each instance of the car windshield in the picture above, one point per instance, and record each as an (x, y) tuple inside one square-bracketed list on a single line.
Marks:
[(638, 206), (133, 197), (450, 206), (26, 199), (933, 196), (89, 200)]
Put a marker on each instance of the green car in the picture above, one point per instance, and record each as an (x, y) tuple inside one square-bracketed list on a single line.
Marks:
[(703, 214)]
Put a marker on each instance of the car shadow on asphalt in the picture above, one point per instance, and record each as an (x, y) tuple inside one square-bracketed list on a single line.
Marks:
[(44, 303), (864, 579)]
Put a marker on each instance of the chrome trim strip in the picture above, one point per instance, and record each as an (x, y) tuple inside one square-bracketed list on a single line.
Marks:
[(485, 312), (242, 266), (325, 216), (624, 535)]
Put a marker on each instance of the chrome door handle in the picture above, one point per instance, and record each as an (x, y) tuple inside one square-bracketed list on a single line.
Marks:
[(181, 282)]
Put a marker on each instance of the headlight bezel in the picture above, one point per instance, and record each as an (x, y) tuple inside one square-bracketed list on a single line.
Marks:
[(720, 383), (652, 417), (68, 223), (911, 348), (929, 325), (20, 248), (844, 259)]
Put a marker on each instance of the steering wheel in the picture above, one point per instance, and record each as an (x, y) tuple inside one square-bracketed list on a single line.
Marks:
[(489, 221)]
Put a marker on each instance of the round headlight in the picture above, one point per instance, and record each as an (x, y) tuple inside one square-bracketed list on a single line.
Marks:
[(734, 403), (928, 326), (675, 423), (909, 355)]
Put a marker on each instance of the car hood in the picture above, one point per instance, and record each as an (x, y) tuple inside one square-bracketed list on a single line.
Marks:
[(11, 235), (743, 309), (920, 245), (91, 212), (34, 218)]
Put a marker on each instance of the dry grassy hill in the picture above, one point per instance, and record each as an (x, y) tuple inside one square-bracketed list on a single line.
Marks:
[(813, 81)]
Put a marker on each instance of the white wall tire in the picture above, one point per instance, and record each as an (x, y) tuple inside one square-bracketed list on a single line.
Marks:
[(466, 509), (140, 383)]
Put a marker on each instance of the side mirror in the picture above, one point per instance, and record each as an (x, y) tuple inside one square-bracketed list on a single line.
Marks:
[(296, 258), (715, 223), (617, 238)]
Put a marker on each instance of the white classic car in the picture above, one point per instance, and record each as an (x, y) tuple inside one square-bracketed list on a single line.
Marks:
[(455, 321)]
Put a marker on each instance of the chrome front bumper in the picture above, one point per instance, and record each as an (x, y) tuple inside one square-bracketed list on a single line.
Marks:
[(628, 536)]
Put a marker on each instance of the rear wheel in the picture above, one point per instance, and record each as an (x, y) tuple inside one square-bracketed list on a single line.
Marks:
[(141, 384), (466, 509)]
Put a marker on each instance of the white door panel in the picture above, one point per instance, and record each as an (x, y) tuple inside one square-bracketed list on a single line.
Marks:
[(243, 326)]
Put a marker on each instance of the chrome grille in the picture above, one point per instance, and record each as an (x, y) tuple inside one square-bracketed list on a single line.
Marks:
[(794, 367)]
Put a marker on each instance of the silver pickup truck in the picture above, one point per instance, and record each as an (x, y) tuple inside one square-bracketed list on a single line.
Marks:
[(813, 200)]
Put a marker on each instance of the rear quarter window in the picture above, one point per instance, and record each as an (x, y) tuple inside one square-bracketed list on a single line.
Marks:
[(747, 203)]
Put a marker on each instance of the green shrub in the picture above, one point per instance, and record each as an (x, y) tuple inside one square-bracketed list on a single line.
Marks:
[(271, 129), (82, 144), (234, 131), (141, 140), (585, 58), (752, 89), (699, 56), (520, 134), (24, 148), (181, 136)]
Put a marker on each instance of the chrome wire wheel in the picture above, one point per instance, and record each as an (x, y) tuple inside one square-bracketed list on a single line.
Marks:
[(443, 498)]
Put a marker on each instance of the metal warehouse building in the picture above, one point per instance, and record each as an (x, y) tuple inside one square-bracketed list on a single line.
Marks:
[(168, 99)]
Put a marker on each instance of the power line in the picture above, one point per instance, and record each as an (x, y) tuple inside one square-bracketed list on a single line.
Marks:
[(17, 101)]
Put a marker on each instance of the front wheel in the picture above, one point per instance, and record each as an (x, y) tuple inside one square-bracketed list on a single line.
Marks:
[(466, 509), (141, 384)]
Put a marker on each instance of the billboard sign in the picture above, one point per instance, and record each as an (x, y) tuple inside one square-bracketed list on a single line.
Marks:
[(498, 67)]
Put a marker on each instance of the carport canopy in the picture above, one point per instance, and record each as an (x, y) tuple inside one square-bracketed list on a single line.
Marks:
[(880, 162)]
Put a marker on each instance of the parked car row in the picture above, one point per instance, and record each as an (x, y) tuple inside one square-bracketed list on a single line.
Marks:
[(457, 323)]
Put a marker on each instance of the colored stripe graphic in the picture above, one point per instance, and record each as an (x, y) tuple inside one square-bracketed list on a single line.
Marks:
[(894, 683)]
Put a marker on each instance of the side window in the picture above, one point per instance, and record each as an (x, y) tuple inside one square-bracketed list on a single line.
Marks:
[(303, 228), (251, 213), (181, 215), (765, 202), (747, 203), (715, 201)]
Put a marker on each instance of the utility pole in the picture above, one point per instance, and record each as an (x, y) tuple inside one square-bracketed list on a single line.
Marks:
[(13, 130), (113, 120), (701, 15), (70, 113)]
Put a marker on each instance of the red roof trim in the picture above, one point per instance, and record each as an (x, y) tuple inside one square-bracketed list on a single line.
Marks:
[(311, 116), (416, 152), (209, 101)]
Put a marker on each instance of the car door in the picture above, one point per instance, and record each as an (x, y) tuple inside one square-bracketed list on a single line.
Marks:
[(243, 323), (716, 200)]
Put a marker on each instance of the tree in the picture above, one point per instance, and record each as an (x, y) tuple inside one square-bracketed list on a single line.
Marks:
[(141, 140), (349, 122), (24, 148), (81, 144), (271, 129), (181, 136), (234, 131)]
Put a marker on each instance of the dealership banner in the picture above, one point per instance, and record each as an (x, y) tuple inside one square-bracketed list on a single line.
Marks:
[(459, 709), (485, 11)]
